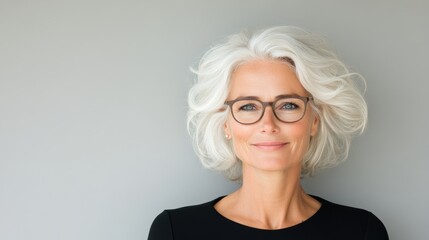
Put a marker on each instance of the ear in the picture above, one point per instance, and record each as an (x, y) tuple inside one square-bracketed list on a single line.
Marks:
[(315, 125), (226, 129)]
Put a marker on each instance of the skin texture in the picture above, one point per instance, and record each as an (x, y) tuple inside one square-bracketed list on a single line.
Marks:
[(271, 151)]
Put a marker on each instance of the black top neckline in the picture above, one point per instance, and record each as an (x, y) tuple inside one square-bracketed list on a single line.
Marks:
[(303, 224), (332, 221)]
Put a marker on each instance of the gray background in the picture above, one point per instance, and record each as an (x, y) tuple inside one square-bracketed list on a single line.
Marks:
[(93, 103)]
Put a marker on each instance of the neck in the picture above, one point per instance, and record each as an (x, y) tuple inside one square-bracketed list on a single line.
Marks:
[(272, 186), (274, 200)]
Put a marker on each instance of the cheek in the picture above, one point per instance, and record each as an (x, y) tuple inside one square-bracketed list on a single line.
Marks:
[(300, 131), (300, 135), (240, 137)]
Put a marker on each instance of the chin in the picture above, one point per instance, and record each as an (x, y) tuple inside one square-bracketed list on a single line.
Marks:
[(276, 164)]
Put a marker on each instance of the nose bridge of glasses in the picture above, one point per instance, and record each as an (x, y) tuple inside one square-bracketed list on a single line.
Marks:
[(264, 108), (268, 104)]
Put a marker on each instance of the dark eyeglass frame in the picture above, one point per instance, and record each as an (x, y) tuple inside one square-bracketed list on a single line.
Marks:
[(305, 99)]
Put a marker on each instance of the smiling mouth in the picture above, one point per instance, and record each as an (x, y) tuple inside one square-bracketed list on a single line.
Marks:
[(270, 145)]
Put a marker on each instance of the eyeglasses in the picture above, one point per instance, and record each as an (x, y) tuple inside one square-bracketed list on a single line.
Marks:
[(287, 109)]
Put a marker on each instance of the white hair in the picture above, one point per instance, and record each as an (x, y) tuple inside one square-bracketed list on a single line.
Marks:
[(338, 100)]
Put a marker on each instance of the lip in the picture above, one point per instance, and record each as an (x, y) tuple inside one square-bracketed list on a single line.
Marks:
[(269, 145)]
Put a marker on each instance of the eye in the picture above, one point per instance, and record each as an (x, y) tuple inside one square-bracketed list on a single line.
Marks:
[(289, 106), (248, 107)]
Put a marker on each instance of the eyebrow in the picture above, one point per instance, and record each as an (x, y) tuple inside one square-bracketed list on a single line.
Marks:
[(258, 98)]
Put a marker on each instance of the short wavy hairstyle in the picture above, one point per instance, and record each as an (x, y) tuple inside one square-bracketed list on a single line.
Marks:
[(337, 92)]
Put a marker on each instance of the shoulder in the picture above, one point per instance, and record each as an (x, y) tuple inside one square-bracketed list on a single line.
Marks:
[(194, 213), (348, 220), (161, 228), (182, 221)]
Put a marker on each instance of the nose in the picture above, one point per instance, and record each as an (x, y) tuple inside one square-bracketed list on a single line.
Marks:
[(269, 121)]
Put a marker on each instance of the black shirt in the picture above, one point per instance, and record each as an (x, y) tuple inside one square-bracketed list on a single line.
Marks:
[(331, 221)]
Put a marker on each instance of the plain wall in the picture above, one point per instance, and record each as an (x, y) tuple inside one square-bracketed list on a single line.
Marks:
[(93, 142)]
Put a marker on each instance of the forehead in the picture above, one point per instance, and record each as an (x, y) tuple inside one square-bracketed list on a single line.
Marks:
[(265, 79)]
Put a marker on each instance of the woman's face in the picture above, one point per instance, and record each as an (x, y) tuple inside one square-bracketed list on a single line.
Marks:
[(269, 144)]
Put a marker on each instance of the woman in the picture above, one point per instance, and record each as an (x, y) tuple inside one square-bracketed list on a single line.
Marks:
[(270, 108)]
